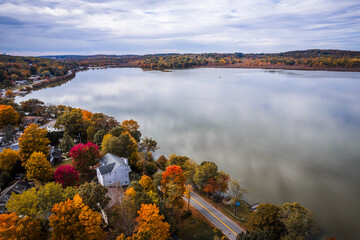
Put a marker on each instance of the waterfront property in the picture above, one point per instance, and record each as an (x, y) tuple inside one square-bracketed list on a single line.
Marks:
[(113, 171)]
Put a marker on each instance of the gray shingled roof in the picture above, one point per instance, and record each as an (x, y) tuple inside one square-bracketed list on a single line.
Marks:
[(110, 162), (105, 169)]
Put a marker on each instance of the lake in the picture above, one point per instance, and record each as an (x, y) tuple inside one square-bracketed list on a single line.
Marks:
[(286, 135)]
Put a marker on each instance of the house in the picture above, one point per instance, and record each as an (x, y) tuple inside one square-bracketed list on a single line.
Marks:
[(113, 171), (18, 188), (33, 119), (55, 156)]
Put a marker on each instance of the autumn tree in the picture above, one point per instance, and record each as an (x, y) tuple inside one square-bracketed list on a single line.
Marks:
[(73, 123), (122, 217), (177, 160), (204, 172), (123, 146), (94, 195), (66, 143), (162, 162), (151, 224), (66, 175), (266, 218), (8, 115), (98, 137), (33, 140), (8, 158), (84, 156), (148, 145), (117, 131), (38, 203), (133, 128), (298, 221), (33, 107), (254, 235), (9, 94), (25, 204), (47, 196), (187, 194), (72, 219), (173, 184), (235, 192), (39, 168), (147, 183), (23, 228), (103, 122)]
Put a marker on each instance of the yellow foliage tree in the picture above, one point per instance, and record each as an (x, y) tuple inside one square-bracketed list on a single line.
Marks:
[(14, 228), (130, 192), (147, 183), (9, 94), (8, 158), (150, 224), (72, 219), (39, 168), (33, 140), (8, 115)]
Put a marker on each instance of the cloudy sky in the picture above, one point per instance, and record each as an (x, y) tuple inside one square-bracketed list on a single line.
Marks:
[(43, 27)]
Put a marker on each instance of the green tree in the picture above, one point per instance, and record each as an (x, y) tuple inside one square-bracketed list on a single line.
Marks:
[(94, 195), (33, 107), (98, 137), (204, 172), (66, 143), (24, 204), (73, 123)]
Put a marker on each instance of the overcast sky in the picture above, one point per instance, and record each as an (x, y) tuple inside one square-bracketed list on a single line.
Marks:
[(43, 27)]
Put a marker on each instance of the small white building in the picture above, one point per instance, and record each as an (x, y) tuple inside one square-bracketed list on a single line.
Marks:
[(113, 171)]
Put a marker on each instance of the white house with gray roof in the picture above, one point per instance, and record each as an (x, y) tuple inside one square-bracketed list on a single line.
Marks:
[(113, 171)]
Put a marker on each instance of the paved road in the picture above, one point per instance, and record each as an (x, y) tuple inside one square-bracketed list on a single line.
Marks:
[(227, 226)]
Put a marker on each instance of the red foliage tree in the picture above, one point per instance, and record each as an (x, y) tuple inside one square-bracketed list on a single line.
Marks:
[(211, 186), (173, 184), (84, 156), (66, 175)]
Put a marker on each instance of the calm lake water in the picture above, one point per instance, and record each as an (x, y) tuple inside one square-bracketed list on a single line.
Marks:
[(286, 135)]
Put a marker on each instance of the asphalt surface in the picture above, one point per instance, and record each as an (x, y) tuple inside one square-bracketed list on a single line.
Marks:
[(227, 226)]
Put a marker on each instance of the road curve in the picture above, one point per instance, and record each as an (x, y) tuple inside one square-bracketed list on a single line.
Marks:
[(227, 226)]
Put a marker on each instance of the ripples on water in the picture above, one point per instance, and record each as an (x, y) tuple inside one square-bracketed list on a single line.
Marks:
[(287, 135)]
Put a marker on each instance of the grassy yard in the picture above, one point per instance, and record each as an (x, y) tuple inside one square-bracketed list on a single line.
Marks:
[(195, 227), (58, 164)]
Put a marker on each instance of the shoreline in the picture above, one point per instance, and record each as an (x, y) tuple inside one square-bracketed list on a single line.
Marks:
[(72, 73)]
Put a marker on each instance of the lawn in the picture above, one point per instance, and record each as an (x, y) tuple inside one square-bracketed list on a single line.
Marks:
[(194, 226)]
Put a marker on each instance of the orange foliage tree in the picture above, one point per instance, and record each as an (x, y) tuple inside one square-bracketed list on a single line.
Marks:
[(14, 227), (72, 219), (150, 224), (147, 183), (173, 184), (8, 115)]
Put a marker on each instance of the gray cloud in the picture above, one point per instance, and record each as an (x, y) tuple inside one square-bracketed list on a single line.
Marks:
[(150, 26)]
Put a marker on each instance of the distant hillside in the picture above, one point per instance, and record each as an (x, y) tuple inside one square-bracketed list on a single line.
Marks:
[(308, 59)]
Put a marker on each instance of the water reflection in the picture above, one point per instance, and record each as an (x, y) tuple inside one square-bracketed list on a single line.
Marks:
[(288, 135)]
